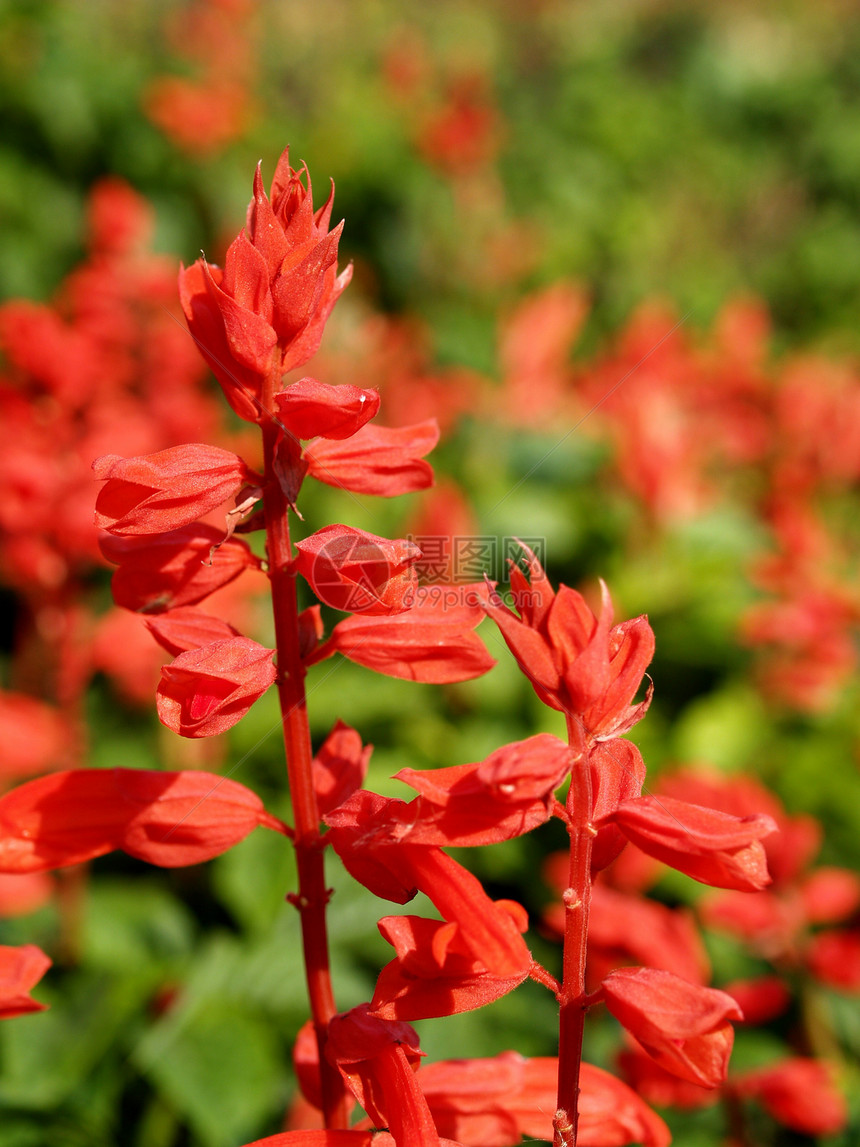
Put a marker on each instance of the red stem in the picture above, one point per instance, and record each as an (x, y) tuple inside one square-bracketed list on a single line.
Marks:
[(577, 900), (312, 894)]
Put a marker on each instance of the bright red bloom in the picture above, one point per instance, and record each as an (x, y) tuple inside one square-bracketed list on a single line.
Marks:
[(437, 971), (761, 1000), (309, 408), (497, 1102), (577, 662), (376, 460), (206, 691), (834, 959), (713, 847), (167, 490), (320, 1138), (358, 572), (169, 819), (377, 1059), (683, 1026), (178, 568), (268, 307), (20, 969), (433, 642), (799, 1093), (507, 794)]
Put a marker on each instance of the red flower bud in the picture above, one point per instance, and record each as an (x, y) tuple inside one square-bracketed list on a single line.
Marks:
[(713, 847), (207, 690), (309, 408), (169, 819), (339, 767), (683, 1026), (184, 629), (164, 491), (268, 308), (376, 460), (174, 569), (358, 572), (20, 969)]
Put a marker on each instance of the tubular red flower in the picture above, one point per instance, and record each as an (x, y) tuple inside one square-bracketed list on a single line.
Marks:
[(184, 629), (376, 460), (167, 490), (684, 1027), (497, 1102), (20, 970), (169, 819), (174, 569), (377, 1059), (206, 691), (437, 972), (432, 643), (507, 794), (309, 409), (358, 572), (713, 847)]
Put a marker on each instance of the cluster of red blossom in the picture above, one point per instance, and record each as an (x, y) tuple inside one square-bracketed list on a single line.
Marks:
[(692, 426), (259, 318)]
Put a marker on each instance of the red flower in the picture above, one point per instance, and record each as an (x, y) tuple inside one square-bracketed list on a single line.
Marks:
[(376, 460), (497, 1102), (178, 568), (268, 307), (20, 969), (166, 490), (683, 1026), (437, 971), (507, 794), (309, 408), (169, 819), (799, 1093), (432, 642), (206, 691), (577, 662), (713, 847), (377, 1059), (184, 629), (358, 572), (339, 767)]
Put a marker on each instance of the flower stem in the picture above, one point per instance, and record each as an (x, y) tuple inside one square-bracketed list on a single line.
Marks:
[(577, 900), (312, 895)]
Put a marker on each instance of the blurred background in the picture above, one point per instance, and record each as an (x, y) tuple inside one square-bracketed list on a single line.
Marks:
[(614, 249)]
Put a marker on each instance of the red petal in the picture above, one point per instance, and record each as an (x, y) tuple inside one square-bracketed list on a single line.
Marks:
[(309, 408)]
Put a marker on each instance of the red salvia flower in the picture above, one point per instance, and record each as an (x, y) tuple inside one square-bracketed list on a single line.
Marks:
[(206, 691), (433, 642), (20, 970), (359, 572), (173, 569), (169, 819), (376, 460), (507, 794), (713, 847), (268, 307), (497, 1102), (309, 409), (377, 1059), (799, 1093), (167, 490), (686, 1028), (437, 972), (320, 1138), (576, 661)]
